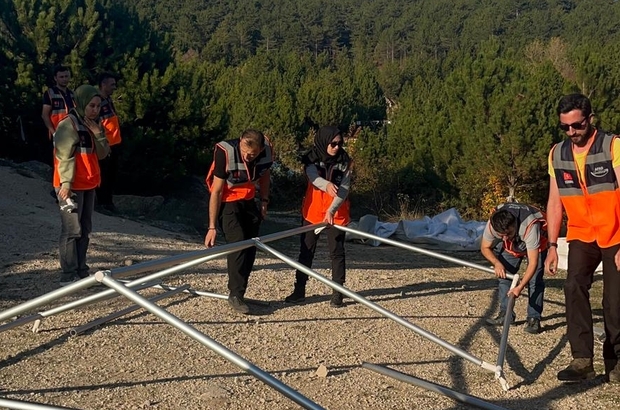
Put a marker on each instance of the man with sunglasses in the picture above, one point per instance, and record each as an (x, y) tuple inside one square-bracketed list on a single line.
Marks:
[(237, 166), (514, 232), (584, 172)]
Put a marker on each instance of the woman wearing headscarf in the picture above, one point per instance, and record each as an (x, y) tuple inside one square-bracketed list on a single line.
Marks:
[(328, 169), (79, 143)]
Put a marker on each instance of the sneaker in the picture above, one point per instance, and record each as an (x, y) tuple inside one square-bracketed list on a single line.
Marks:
[(67, 280), (336, 300), (296, 297), (238, 304), (612, 370), (532, 326), (578, 369), (499, 320)]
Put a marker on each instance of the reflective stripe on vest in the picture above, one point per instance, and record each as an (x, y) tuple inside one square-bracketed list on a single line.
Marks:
[(109, 120), (316, 202), (240, 180), (592, 204), (526, 217), (86, 174), (59, 105)]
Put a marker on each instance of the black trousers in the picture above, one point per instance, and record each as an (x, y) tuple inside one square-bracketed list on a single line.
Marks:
[(583, 258), (109, 170), (335, 243), (240, 220)]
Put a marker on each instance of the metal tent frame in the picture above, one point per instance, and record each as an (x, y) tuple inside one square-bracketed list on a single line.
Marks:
[(170, 265)]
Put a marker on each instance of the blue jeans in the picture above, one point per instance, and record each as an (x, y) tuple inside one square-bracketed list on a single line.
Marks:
[(535, 288)]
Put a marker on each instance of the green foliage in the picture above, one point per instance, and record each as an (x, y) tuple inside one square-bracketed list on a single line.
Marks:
[(446, 103)]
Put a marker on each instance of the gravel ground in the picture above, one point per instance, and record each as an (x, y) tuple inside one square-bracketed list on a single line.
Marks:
[(140, 362)]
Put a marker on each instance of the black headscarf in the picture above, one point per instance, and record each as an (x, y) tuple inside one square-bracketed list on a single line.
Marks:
[(318, 153)]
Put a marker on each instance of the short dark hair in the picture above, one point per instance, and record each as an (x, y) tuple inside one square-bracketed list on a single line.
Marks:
[(575, 101), (105, 76), (59, 69), (253, 138), (502, 221)]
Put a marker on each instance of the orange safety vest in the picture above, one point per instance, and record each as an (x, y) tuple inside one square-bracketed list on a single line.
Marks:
[(592, 205), (109, 120), (526, 216), (316, 202), (240, 181), (87, 174), (60, 108)]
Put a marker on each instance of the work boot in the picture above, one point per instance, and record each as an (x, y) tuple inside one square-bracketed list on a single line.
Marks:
[(238, 304), (579, 369), (298, 296), (336, 300), (532, 326), (499, 320), (612, 370)]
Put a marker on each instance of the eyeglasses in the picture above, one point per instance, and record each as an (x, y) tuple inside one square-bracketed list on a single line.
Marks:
[(577, 126), (335, 144)]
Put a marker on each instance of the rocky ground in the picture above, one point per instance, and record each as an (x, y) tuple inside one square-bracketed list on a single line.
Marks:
[(140, 362)]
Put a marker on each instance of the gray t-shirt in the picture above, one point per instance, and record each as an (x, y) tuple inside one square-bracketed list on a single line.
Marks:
[(531, 239)]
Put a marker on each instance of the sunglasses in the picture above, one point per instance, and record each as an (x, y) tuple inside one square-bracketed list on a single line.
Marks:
[(335, 144), (577, 126)]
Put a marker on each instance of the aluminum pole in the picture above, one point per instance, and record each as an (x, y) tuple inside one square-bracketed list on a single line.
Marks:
[(220, 249), (47, 298), (185, 260), (25, 405), (94, 323), (460, 397), (503, 345), (208, 294), (375, 307), (208, 342), (419, 250), (38, 317), (20, 321)]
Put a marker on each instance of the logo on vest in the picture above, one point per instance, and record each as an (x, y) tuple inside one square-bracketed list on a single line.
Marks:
[(568, 178), (599, 172)]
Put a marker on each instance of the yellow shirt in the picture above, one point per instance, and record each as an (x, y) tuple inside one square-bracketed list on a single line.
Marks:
[(580, 159)]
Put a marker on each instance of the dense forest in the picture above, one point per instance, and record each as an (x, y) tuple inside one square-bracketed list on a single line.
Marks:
[(444, 102)]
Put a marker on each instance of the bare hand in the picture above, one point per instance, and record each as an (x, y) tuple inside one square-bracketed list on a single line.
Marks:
[(210, 238), (263, 210), (93, 126), (329, 218), (551, 263), (516, 291), (64, 193), (500, 271), (332, 190), (617, 260)]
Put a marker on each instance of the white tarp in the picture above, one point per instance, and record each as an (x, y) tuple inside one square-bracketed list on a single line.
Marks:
[(446, 231), (563, 256)]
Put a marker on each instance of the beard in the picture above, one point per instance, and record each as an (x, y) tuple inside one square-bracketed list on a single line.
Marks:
[(581, 140)]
